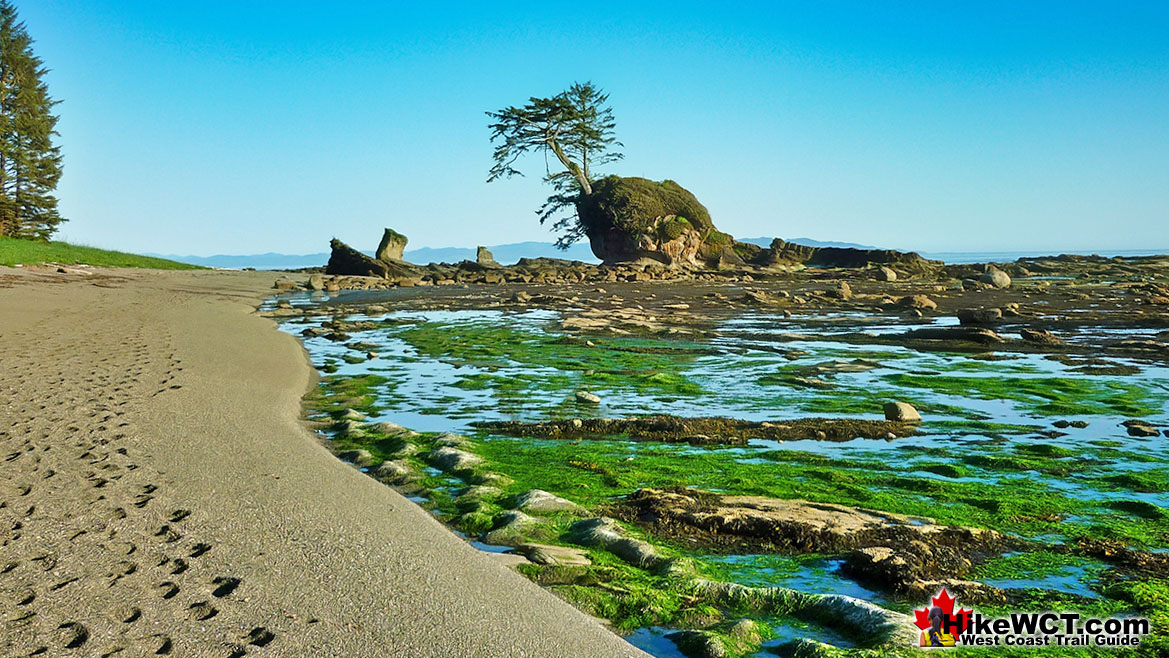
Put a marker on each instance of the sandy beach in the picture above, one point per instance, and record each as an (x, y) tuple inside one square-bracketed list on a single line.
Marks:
[(161, 495)]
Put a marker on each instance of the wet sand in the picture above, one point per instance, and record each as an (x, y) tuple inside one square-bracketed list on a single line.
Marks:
[(160, 494)]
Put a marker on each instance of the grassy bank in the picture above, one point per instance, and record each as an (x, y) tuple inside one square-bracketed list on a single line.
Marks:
[(30, 252)]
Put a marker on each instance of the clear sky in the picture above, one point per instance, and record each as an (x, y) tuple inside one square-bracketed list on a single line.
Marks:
[(245, 127)]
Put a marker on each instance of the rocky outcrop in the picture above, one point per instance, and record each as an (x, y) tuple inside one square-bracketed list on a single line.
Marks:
[(483, 257), (702, 430), (347, 261), (639, 220), (893, 551), (789, 253), (389, 250)]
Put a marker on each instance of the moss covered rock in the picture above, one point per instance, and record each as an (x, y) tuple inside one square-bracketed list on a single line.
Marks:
[(637, 219)]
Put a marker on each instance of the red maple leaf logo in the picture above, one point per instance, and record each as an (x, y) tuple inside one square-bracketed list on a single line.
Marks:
[(946, 602)]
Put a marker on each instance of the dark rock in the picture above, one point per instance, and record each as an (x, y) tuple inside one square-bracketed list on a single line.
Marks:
[(970, 334), (1040, 337), (346, 260), (970, 316), (1141, 428), (787, 252)]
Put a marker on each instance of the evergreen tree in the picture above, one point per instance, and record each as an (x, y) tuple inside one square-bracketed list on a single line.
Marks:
[(576, 127), (30, 163)]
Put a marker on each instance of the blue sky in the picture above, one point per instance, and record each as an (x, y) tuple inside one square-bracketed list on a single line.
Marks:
[(245, 127)]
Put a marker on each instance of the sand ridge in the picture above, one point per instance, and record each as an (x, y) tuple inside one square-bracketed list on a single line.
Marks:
[(159, 495)]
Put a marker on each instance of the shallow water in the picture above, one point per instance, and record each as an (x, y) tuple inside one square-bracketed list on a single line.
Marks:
[(980, 441)]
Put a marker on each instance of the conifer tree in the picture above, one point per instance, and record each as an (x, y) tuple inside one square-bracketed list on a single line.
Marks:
[(30, 162)]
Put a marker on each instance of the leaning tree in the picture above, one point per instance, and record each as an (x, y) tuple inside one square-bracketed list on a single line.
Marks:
[(30, 162), (575, 127)]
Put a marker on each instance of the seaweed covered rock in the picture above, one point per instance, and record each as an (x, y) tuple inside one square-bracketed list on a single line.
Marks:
[(637, 219)]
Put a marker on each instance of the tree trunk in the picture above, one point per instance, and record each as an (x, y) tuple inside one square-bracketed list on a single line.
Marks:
[(572, 167)]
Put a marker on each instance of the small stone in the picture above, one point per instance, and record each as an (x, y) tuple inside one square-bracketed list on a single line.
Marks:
[(1079, 424), (587, 398), (1061, 424), (901, 412)]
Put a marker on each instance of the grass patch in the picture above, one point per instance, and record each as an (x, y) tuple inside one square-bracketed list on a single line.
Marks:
[(32, 252)]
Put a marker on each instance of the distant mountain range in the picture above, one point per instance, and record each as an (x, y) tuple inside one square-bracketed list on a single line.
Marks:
[(808, 242), (505, 254)]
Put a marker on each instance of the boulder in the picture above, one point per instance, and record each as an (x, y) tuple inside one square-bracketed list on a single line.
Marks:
[(316, 282), (548, 555), (510, 529), (1141, 428), (841, 291), (969, 316), (359, 458), (1040, 337), (901, 412), (995, 277), (537, 501), (394, 472), (587, 398), (915, 302), (393, 429), (639, 220), (390, 249), (450, 440), (886, 274), (452, 459), (970, 334), (484, 258), (606, 533)]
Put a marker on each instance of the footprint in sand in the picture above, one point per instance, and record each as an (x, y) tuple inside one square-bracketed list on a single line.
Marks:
[(224, 586)]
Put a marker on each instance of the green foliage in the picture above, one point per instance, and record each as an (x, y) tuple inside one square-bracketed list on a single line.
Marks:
[(632, 204), (30, 163), (576, 127), (15, 251), (671, 229)]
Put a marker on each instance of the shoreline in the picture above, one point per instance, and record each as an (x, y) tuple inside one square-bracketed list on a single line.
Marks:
[(189, 508)]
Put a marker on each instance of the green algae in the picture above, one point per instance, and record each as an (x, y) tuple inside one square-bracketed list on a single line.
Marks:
[(1045, 396), (996, 491), (556, 362)]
